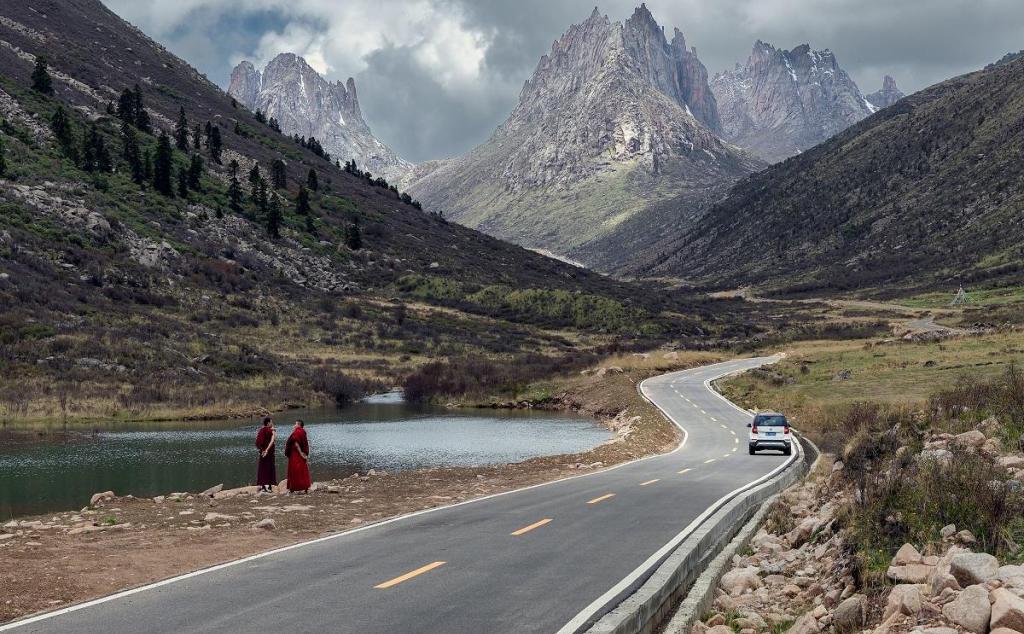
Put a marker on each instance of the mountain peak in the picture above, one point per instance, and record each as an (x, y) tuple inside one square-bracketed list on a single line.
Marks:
[(783, 102), (306, 104), (887, 96)]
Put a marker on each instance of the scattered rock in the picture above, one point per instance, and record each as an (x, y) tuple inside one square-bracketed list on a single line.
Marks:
[(98, 498), (907, 554), (218, 517), (806, 624), (966, 537), (851, 614), (1007, 610), (970, 610), (842, 375), (948, 531), (717, 619), (973, 568), (740, 580), (212, 491), (267, 524), (903, 599)]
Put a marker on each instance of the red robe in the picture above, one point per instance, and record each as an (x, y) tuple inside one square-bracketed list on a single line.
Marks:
[(298, 469), (266, 467)]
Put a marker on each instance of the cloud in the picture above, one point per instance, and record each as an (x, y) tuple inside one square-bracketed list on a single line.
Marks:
[(436, 77)]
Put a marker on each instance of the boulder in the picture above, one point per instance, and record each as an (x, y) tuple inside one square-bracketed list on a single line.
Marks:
[(948, 531), (740, 580), (973, 439), (907, 554), (966, 537), (212, 491), (267, 524), (716, 619), (1007, 610), (98, 498), (1011, 462), (911, 573), (806, 624), (851, 614), (720, 629), (1011, 576), (973, 568), (218, 517), (970, 610), (903, 599)]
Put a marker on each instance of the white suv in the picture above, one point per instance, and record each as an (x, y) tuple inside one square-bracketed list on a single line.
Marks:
[(770, 430)]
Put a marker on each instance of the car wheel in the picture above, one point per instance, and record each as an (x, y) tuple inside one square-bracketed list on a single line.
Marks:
[(752, 450), (787, 452)]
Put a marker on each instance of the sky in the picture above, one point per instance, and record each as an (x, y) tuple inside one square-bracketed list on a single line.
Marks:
[(436, 77)]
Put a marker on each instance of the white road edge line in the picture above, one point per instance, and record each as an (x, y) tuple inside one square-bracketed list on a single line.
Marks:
[(189, 575), (587, 613)]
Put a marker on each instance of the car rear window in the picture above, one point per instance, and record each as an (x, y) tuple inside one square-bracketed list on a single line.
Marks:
[(770, 421)]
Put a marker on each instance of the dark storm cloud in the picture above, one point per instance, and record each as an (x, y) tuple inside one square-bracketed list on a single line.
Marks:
[(413, 104)]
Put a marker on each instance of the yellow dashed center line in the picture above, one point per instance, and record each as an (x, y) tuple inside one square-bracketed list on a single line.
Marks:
[(709, 461), (527, 529), (409, 575), (735, 441), (722, 426), (602, 498), (643, 484), (713, 419), (734, 450), (727, 455), (703, 412), (684, 471)]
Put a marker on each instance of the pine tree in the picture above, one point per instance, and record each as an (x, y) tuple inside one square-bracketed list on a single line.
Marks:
[(278, 174), (254, 175), (215, 145), (233, 168), (302, 202), (181, 131), (41, 81), (354, 235), (259, 197), (197, 137), (274, 217), (195, 173), (142, 121), (131, 153), (235, 195), (126, 107), (63, 132), (147, 166), (95, 156), (182, 174), (163, 163), (310, 224), (312, 181), (208, 130), (3, 158)]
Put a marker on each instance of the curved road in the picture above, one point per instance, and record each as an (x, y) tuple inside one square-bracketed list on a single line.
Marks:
[(531, 560)]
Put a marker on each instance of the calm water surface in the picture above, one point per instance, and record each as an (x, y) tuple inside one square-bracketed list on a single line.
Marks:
[(381, 433)]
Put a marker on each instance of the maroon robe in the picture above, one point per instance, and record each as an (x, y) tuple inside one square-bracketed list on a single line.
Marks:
[(298, 468), (266, 468)]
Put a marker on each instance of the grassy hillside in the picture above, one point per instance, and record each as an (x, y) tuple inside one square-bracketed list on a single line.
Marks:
[(927, 193), (124, 301)]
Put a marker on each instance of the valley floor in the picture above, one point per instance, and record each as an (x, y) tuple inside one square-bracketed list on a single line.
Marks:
[(120, 542)]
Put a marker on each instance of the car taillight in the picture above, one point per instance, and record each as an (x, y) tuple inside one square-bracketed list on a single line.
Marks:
[(786, 430), (754, 430)]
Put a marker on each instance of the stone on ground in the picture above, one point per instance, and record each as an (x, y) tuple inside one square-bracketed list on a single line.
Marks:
[(970, 610), (1007, 610), (973, 568)]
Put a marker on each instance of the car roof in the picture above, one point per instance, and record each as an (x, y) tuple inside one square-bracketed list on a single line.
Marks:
[(770, 413)]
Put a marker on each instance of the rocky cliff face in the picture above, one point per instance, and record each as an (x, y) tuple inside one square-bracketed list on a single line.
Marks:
[(782, 102), (888, 95), (613, 117), (306, 104)]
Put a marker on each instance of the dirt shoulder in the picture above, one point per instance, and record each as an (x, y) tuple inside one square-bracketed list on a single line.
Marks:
[(55, 560)]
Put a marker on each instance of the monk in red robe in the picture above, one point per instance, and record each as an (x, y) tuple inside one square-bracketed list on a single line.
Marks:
[(297, 450), (266, 466)]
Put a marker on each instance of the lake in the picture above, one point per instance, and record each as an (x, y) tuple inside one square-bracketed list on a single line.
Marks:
[(382, 432)]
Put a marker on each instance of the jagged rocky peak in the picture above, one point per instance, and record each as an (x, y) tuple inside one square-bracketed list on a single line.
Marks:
[(887, 96), (783, 102), (304, 103), (245, 84), (670, 66), (613, 112)]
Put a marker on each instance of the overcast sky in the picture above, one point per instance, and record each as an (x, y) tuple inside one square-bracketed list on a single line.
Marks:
[(435, 77)]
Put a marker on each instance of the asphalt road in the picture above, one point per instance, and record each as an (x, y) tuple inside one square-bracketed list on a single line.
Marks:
[(526, 561)]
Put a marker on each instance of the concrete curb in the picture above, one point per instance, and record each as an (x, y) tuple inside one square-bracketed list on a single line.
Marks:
[(645, 609), (701, 595)]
